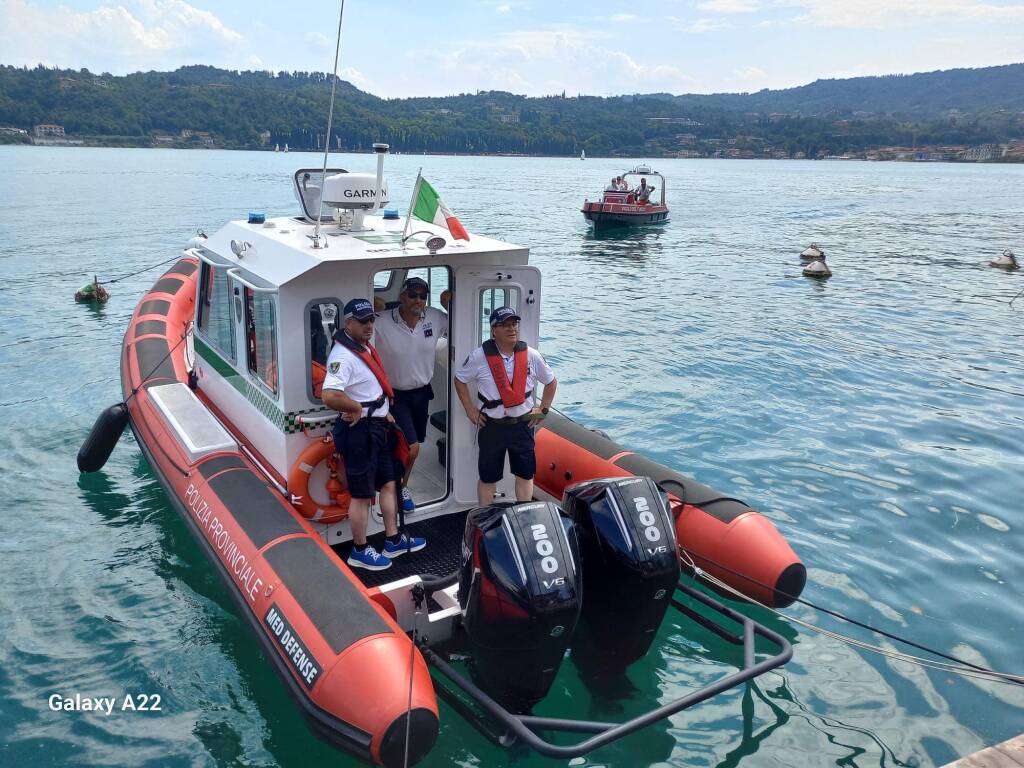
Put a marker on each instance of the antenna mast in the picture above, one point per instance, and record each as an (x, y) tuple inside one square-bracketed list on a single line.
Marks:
[(327, 144)]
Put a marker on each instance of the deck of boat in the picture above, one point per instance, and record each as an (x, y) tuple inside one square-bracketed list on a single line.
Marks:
[(441, 556), (1009, 754)]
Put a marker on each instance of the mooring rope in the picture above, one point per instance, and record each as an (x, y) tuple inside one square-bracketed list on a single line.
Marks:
[(961, 667), (412, 670)]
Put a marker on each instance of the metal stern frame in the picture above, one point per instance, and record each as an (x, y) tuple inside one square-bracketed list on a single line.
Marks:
[(523, 728)]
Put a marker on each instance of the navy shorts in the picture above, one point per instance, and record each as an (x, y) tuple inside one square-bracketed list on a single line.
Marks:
[(368, 457), (495, 440), (410, 412)]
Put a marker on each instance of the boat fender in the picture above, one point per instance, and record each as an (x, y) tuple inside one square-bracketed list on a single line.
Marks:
[(102, 438), (298, 484)]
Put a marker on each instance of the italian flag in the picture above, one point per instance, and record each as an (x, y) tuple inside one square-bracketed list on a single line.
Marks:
[(429, 208)]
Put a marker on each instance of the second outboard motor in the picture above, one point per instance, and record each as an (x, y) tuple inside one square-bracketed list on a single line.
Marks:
[(630, 566), (519, 589)]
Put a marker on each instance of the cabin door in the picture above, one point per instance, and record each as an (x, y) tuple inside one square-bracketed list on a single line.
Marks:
[(479, 291)]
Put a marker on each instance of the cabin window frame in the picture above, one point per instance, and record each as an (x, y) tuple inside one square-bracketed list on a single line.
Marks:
[(338, 320), (249, 298), (204, 293), (483, 329)]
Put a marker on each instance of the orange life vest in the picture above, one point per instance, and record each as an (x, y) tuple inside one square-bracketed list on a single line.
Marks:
[(514, 393), (369, 356)]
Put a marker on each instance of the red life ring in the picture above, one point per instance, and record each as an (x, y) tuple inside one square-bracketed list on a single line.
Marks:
[(298, 484)]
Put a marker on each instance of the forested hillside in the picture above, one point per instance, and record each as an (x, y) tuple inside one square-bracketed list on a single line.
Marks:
[(197, 106)]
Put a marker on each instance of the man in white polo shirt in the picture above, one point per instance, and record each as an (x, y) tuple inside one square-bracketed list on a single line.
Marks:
[(357, 386), (505, 371), (406, 338)]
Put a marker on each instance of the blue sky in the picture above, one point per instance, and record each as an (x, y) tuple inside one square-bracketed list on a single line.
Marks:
[(405, 48)]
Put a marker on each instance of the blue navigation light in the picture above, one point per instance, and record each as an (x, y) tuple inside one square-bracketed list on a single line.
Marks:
[(390, 213), (257, 217)]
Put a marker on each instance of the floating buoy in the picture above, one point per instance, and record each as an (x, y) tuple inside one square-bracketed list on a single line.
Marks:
[(1006, 261), (817, 269), (812, 253), (92, 292)]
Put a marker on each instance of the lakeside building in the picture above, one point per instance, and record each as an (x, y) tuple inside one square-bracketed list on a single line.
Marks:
[(47, 129)]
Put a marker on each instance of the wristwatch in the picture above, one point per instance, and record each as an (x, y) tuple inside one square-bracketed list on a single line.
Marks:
[(545, 411)]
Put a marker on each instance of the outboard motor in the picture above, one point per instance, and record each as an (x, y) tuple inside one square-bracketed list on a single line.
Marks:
[(630, 566), (519, 589)]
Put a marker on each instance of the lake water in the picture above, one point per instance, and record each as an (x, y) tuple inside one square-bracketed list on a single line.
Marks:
[(877, 418)]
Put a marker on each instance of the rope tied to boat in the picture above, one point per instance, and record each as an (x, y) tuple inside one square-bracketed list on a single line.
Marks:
[(419, 597), (960, 667)]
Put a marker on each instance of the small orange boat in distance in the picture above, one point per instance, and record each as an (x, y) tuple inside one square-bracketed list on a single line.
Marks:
[(220, 370), (629, 207)]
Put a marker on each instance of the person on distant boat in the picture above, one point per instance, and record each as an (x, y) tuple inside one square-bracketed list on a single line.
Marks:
[(621, 185), (505, 371), (406, 339), (643, 192), (611, 186), (357, 386)]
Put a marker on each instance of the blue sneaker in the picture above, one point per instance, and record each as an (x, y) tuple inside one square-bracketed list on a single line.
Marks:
[(405, 544), (408, 505), (369, 558)]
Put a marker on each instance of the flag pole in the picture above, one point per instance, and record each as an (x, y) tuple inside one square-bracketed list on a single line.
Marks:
[(412, 203)]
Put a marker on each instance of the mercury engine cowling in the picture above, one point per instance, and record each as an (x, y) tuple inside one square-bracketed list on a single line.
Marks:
[(519, 589), (630, 567)]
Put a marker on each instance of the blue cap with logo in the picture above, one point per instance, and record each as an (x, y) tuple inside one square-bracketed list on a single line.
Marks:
[(359, 309), (501, 314)]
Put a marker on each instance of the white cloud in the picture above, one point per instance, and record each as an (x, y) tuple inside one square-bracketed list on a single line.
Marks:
[(540, 62), (149, 34), (879, 14), (730, 6), (505, 6), (751, 73), (696, 27), (357, 78), (318, 40)]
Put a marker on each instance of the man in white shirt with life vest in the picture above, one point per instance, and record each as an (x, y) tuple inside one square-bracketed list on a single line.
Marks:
[(505, 371), (406, 338), (356, 385)]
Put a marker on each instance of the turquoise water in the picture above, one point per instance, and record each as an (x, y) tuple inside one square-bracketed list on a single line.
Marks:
[(877, 418)]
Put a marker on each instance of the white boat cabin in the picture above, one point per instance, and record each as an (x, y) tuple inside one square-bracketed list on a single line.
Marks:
[(270, 298)]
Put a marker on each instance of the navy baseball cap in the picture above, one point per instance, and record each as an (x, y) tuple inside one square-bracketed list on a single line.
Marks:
[(414, 282), (359, 309), (501, 314)]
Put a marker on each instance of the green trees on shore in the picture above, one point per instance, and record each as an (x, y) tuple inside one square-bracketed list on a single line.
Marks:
[(201, 105)]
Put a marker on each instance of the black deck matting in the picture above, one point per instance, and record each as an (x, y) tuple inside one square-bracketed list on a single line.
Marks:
[(441, 556)]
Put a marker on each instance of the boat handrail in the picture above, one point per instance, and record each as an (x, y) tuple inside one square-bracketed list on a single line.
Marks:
[(236, 273), (233, 270), (315, 420), (208, 257)]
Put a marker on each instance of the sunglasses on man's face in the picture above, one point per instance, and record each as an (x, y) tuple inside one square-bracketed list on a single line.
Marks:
[(508, 324), (420, 296), (370, 319)]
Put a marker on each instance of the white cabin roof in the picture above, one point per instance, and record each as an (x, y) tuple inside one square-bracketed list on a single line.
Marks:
[(281, 249)]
